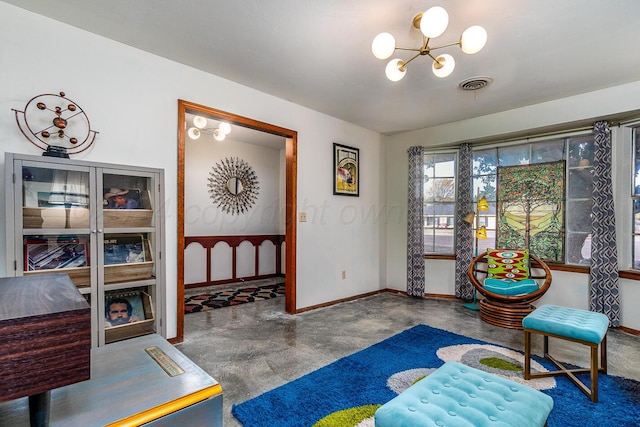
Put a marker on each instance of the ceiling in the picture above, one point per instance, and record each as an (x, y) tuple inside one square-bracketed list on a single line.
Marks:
[(318, 53)]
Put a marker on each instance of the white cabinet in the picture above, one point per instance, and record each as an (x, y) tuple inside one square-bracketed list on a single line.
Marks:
[(102, 224)]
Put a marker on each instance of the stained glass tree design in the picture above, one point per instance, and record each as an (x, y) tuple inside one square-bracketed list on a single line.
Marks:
[(531, 209)]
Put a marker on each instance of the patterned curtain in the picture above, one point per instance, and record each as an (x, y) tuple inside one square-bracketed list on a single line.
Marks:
[(415, 227), (464, 234), (603, 283)]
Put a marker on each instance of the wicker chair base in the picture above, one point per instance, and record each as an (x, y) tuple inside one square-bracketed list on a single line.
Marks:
[(504, 315)]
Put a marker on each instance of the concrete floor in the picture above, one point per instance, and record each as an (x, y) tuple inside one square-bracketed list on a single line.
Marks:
[(253, 348)]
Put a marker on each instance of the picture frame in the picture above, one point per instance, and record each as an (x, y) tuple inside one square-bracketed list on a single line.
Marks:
[(47, 254), (140, 304), (121, 198), (346, 170), (125, 249)]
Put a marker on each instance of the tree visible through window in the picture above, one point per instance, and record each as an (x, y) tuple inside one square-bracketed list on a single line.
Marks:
[(439, 202)]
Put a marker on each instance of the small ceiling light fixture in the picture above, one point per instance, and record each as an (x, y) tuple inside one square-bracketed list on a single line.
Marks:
[(200, 126), (431, 24)]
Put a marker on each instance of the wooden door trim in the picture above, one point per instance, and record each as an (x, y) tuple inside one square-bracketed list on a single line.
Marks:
[(291, 152)]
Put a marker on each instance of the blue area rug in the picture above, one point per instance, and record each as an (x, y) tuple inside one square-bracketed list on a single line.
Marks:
[(346, 392)]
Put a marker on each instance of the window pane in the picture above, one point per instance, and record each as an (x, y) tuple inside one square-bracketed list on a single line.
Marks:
[(581, 151), (429, 241), (548, 151), (485, 186), (441, 190), (636, 178), (488, 243), (578, 248), (513, 156), (485, 162), (428, 165), (579, 215), (444, 165), (428, 190), (636, 252), (636, 215), (444, 240), (580, 183)]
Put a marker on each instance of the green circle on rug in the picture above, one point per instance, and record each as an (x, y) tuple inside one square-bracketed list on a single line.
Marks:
[(348, 417)]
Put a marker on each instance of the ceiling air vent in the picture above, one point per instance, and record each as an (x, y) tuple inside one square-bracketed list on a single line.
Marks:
[(475, 83)]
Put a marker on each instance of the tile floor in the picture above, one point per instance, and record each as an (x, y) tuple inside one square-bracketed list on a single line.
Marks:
[(252, 348)]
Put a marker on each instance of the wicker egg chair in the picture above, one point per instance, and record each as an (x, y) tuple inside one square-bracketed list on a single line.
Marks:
[(502, 310)]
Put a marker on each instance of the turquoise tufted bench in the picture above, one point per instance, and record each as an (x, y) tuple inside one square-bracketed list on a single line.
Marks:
[(458, 395), (582, 326)]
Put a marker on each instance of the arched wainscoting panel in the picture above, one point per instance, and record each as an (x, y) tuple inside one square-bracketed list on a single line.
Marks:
[(221, 261), (266, 258), (195, 264), (246, 259)]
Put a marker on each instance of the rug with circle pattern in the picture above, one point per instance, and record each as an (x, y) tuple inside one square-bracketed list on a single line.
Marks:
[(347, 392)]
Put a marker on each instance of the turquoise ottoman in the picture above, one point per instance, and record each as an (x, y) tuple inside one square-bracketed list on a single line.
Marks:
[(458, 395), (585, 327)]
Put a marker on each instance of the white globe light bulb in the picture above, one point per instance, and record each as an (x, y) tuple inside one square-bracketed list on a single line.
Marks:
[(383, 45), (225, 128), (218, 135), (434, 22), (473, 39), (394, 71), (443, 65), (194, 133), (199, 122)]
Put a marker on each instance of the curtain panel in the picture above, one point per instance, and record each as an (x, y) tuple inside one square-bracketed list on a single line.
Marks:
[(415, 226), (464, 232), (603, 283)]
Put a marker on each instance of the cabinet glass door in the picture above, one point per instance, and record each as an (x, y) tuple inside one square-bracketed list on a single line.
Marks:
[(54, 198), (128, 254), (56, 215)]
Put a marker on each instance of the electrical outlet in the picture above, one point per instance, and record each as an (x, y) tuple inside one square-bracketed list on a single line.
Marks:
[(303, 217), (344, 274)]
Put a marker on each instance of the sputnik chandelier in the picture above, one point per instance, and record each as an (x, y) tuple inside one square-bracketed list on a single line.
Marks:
[(431, 24), (200, 126)]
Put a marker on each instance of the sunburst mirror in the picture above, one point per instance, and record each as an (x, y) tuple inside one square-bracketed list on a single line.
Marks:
[(233, 185)]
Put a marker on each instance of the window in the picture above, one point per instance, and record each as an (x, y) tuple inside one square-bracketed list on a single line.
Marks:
[(577, 151), (439, 202), (635, 196)]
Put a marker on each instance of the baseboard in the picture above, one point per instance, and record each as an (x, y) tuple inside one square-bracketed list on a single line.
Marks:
[(352, 298), (628, 330)]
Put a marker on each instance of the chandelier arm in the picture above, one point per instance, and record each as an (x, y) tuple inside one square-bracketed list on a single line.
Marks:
[(411, 59), (412, 49), (445, 45)]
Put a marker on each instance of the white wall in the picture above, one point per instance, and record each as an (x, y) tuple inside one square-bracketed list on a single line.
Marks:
[(204, 218), (570, 289), (131, 98)]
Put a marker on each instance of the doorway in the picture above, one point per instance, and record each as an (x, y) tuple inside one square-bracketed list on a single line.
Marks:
[(185, 107)]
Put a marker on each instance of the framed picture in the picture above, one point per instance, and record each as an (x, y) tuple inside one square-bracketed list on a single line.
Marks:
[(55, 254), (346, 170), (125, 307), (124, 249), (121, 198)]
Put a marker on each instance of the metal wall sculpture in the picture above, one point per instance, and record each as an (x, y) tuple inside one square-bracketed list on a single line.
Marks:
[(233, 185), (55, 124), (531, 209)]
